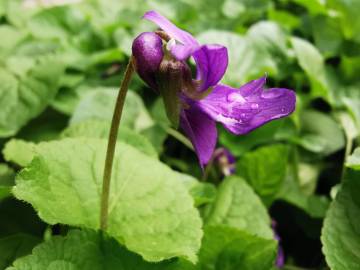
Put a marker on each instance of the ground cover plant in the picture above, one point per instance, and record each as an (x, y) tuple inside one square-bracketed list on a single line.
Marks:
[(237, 145)]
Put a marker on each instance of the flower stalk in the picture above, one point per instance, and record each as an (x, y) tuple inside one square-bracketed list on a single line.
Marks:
[(115, 123)]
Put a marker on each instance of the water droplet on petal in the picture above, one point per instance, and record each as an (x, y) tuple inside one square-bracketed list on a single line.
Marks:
[(283, 110), (254, 106), (271, 94), (236, 97)]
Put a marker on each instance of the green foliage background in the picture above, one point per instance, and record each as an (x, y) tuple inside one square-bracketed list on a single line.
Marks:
[(60, 68)]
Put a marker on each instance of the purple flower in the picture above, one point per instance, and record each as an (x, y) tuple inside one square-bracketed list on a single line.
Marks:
[(225, 161), (200, 103)]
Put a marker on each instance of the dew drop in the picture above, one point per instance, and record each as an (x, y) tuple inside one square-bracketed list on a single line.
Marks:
[(254, 106), (283, 110), (236, 97)]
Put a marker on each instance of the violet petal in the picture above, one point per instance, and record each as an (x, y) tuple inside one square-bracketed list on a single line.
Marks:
[(201, 130), (242, 110), (186, 44), (211, 62)]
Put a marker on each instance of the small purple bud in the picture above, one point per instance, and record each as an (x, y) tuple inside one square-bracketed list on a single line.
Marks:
[(148, 53), (225, 161), (280, 258)]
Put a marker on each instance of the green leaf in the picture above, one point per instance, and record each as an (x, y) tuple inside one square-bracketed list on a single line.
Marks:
[(25, 97), (16, 13), (46, 127), (19, 152), (202, 193), (315, 206), (150, 211), (233, 249), (85, 249), (239, 207), (57, 23), (15, 246), (265, 169), (353, 161), (341, 232), (7, 180), (321, 133), (327, 34), (286, 19), (100, 129), (312, 62), (10, 38), (100, 103), (270, 37), (347, 11), (315, 6)]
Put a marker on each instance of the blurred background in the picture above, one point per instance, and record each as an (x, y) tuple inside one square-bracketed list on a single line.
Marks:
[(62, 61)]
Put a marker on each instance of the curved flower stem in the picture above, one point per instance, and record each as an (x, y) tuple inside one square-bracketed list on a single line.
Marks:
[(115, 122)]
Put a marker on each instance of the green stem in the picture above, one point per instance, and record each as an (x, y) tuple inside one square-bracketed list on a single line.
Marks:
[(115, 122), (348, 147), (181, 138)]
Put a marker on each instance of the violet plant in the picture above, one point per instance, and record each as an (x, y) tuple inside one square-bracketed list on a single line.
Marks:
[(155, 204), (160, 60)]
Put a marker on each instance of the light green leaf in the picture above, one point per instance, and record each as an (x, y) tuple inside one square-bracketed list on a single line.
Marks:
[(19, 152), (85, 249), (353, 161), (312, 62), (286, 19), (270, 37), (233, 249), (10, 37), (25, 97), (150, 211), (322, 131), (100, 129), (308, 176), (15, 246), (100, 103), (327, 34), (314, 6), (57, 23), (348, 124), (16, 13), (202, 193), (346, 10), (341, 231), (237, 206), (265, 169)]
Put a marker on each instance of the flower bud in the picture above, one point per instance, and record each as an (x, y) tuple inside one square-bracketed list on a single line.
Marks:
[(225, 161), (148, 53)]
